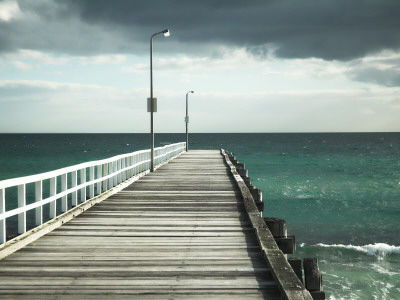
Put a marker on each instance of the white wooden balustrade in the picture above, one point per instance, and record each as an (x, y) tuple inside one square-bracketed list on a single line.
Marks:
[(95, 177)]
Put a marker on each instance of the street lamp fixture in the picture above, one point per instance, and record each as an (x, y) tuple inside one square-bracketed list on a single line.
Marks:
[(187, 120), (152, 100)]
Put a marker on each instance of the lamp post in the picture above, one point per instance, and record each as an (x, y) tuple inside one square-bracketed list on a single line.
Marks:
[(152, 100), (187, 120)]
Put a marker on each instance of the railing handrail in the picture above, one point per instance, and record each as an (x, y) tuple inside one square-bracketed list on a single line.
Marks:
[(105, 174), (46, 175)]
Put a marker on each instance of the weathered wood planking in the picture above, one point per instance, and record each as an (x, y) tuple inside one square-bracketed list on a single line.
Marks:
[(178, 233)]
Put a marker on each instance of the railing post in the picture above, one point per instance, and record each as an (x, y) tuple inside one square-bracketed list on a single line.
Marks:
[(99, 172), (91, 178), (38, 198), (109, 171), (118, 169), (105, 182), (22, 203), (3, 221), (131, 168), (133, 164), (134, 159), (114, 170), (74, 183), (127, 164), (83, 180), (64, 203), (53, 190), (123, 164)]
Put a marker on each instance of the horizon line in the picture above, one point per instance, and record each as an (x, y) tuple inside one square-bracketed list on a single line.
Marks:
[(244, 132)]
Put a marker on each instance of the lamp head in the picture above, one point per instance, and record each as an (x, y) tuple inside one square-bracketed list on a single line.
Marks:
[(166, 32), (192, 92)]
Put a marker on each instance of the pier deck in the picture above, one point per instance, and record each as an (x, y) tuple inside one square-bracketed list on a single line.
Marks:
[(181, 232)]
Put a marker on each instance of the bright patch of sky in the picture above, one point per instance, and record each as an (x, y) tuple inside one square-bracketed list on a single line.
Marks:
[(272, 95)]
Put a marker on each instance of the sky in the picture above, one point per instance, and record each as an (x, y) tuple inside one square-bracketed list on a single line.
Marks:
[(72, 66)]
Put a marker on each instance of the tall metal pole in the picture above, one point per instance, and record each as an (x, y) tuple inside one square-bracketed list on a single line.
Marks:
[(166, 33), (151, 105), (187, 121)]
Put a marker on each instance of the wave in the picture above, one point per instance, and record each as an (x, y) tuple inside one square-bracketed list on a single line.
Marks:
[(379, 250)]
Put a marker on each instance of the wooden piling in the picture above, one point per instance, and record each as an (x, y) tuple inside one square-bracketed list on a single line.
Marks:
[(276, 226), (297, 267), (313, 278), (286, 243)]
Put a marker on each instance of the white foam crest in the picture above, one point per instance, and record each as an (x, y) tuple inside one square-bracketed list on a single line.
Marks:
[(379, 250)]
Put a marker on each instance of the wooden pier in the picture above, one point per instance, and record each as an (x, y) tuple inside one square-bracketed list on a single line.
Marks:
[(185, 231)]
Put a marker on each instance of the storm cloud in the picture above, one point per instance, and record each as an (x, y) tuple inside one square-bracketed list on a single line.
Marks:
[(332, 30)]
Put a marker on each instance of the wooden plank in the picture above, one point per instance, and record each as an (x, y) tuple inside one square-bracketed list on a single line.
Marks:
[(108, 265), (177, 281), (146, 293)]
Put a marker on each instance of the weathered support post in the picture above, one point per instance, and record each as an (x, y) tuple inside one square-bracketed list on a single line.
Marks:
[(247, 181), (242, 172), (257, 196), (313, 278), (241, 169), (296, 265), (277, 226)]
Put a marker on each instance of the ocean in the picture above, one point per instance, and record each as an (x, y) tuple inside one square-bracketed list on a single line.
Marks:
[(338, 192)]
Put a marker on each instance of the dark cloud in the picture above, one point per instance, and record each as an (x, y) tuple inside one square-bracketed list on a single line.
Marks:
[(341, 29), (388, 77)]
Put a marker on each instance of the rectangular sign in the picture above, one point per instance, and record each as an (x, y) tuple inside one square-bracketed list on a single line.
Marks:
[(154, 105)]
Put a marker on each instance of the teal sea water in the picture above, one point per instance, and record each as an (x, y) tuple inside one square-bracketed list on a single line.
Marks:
[(339, 192)]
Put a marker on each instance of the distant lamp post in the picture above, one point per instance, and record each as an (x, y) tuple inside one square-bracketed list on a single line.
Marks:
[(152, 102), (187, 120)]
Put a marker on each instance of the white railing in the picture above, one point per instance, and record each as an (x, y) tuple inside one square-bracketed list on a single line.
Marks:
[(95, 178)]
